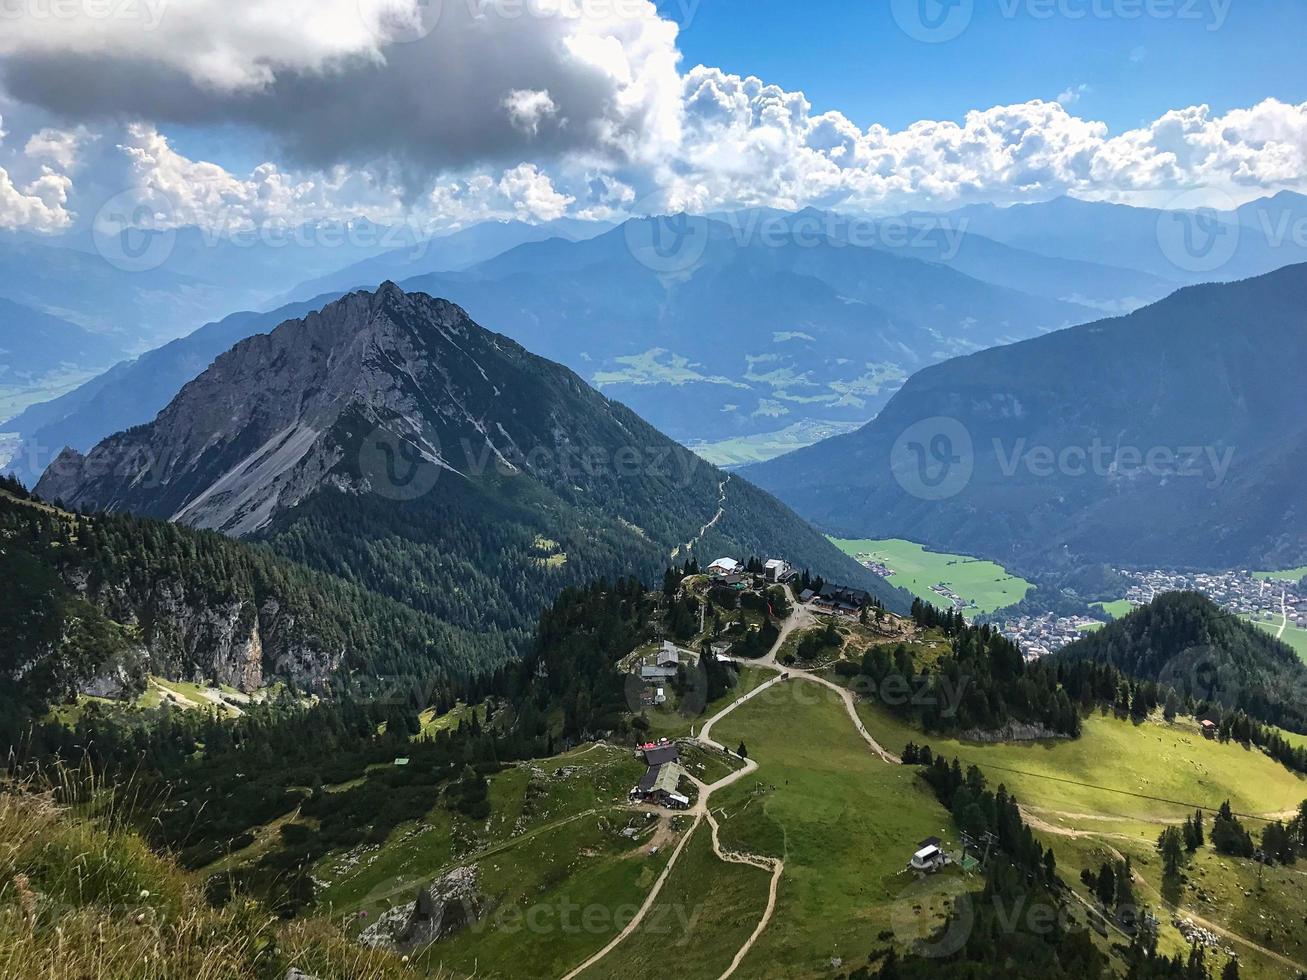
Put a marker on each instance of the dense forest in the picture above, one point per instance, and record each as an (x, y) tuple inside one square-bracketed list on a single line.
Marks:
[(116, 597)]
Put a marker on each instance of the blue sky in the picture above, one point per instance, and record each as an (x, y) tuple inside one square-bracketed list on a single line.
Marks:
[(852, 56)]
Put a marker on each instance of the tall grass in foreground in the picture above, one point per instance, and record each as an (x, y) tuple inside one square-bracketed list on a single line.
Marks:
[(85, 899)]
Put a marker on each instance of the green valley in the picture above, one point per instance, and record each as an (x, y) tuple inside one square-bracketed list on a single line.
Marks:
[(983, 586)]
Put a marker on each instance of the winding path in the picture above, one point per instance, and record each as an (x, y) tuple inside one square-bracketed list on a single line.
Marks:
[(800, 618), (721, 512), (1048, 828)]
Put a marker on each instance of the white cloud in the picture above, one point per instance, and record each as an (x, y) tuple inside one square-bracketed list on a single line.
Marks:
[(226, 46), (56, 146), (37, 207), (361, 81), (532, 194), (532, 116), (1071, 95), (527, 107), (746, 142)]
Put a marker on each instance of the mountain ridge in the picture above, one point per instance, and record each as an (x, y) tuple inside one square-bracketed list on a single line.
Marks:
[(391, 440), (1205, 376)]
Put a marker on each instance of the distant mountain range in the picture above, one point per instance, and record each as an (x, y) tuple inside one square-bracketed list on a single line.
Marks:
[(444, 253), (757, 333), (141, 307), (1183, 244), (152, 287), (721, 335), (748, 329), (392, 441), (34, 345), (1173, 436)]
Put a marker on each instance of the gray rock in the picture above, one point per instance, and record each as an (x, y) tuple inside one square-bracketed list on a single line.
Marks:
[(441, 909)]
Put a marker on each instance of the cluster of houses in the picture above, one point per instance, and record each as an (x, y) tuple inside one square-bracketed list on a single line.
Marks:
[(657, 675), (662, 778), (1038, 636), (1238, 591), (728, 571)]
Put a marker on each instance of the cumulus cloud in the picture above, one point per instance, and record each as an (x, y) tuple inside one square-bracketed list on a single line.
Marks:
[(527, 107), (59, 147), (445, 114), (37, 207), (747, 142), (40, 205), (338, 82)]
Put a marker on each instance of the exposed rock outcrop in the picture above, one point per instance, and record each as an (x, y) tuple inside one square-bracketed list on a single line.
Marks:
[(1013, 731), (446, 906)]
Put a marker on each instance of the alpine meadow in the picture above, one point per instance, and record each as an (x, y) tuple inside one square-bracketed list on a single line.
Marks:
[(595, 489)]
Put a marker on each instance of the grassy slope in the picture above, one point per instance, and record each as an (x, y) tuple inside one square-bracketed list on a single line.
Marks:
[(528, 799), (562, 896), (1118, 609), (79, 901), (705, 912), (844, 822), (1156, 760), (986, 584), (1173, 762)]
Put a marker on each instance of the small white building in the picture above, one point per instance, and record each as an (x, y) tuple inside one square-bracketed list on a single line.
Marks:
[(725, 566), (929, 859), (777, 570)]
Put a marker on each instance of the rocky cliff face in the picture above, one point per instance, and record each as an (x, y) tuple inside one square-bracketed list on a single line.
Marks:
[(180, 636), (272, 420)]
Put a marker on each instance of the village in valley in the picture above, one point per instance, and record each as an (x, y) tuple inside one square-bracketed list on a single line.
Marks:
[(1261, 596), (1276, 601), (1278, 604)]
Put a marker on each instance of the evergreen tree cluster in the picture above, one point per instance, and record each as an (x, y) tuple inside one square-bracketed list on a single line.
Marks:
[(983, 683), (1019, 875), (1186, 642), (89, 593)]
